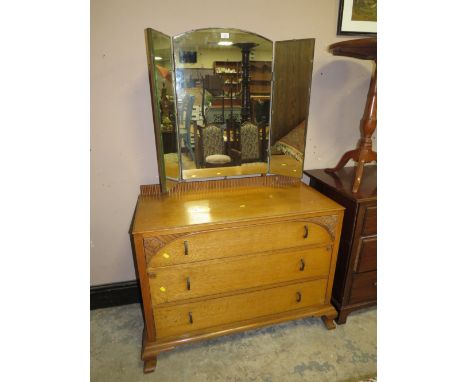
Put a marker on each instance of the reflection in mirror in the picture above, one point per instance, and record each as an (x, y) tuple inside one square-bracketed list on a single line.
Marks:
[(290, 108), (223, 86), (160, 63)]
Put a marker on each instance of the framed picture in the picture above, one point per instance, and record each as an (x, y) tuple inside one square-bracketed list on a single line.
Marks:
[(357, 17)]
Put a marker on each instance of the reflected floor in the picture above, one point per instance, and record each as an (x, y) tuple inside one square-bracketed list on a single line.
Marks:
[(280, 164), (285, 165)]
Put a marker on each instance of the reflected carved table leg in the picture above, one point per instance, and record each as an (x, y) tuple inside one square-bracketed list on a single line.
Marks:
[(328, 321), (150, 365)]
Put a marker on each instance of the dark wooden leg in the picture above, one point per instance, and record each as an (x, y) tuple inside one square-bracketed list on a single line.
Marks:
[(150, 365), (358, 176), (328, 321), (342, 317)]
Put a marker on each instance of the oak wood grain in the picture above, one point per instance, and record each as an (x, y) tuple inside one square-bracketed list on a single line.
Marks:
[(243, 264), (176, 320), (189, 210), (244, 240), (206, 278), (153, 348)]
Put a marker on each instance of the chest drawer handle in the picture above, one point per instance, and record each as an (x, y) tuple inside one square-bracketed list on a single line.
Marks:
[(188, 283), (190, 317), (302, 265), (306, 232), (298, 297), (185, 248)]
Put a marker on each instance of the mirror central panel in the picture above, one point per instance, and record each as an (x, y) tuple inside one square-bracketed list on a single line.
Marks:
[(223, 93)]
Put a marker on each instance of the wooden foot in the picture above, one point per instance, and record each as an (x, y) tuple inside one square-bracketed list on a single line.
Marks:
[(342, 317), (150, 365), (328, 321)]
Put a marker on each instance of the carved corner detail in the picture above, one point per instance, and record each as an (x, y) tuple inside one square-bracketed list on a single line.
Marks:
[(328, 222), (152, 245)]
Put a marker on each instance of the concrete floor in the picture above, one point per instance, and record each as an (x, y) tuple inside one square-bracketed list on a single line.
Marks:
[(301, 350)]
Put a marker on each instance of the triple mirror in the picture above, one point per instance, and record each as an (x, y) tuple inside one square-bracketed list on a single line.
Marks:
[(228, 103)]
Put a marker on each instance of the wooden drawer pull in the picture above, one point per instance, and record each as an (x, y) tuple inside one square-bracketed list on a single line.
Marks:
[(306, 232), (188, 283), (185, 248), (190, 317), (302, 265), (298, 297), (375, 284)]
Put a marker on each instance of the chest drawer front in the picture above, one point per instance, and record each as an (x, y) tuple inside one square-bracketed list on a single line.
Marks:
[(364, 287), (185, 318), (219, 276), (367, 256), (234, 241), (370, 221)]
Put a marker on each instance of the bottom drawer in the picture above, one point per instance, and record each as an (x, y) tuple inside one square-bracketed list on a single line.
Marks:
[(364, 287), (185, 318)]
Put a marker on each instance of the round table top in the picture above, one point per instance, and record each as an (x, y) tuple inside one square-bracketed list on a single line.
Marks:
[(364, 49)]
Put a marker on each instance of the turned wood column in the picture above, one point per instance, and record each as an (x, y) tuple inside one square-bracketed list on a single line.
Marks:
[(364, 49), (245, 47)]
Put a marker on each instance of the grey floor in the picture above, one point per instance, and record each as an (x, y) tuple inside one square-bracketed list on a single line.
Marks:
[(301, 350)]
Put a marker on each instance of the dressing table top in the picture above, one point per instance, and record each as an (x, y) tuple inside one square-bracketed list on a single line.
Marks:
[(228, 206)]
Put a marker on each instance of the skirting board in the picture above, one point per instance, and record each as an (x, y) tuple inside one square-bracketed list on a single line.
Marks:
[(115, 294)]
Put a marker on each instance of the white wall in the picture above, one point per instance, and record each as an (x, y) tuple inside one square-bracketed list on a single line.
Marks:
[(123, 152)]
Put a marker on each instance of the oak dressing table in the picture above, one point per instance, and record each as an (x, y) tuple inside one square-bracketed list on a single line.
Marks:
[(222, 255)]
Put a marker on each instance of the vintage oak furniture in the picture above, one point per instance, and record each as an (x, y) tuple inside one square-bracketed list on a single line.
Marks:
[(355, 284), (364, 49), (218, 256)]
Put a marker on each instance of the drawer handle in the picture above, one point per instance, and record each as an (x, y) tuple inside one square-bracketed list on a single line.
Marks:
[(185, 248), (298, 297), (306, 232), (190, 317), (188, 283), (302, 265), (375, 284)]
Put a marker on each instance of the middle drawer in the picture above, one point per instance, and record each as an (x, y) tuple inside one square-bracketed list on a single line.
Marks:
[(206, 278)]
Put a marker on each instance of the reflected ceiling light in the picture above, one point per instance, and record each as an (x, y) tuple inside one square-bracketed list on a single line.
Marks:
[(225, 43), (157, 58), (224, 35)]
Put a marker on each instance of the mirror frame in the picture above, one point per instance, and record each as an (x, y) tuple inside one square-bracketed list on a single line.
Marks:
[(160, 152)]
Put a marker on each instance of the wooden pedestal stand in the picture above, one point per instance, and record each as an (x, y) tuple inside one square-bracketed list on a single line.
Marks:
[(364, 49)]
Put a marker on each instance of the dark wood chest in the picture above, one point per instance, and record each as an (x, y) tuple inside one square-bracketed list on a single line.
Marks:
[(355, 284)]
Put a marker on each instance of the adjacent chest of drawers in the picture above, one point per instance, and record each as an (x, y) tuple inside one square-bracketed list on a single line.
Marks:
[(217, 262), (355, 284)]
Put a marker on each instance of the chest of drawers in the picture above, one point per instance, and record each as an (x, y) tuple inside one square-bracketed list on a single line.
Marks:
[(216, 262), (355, 284)]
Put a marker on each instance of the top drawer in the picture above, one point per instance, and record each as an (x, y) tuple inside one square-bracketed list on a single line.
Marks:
[(163, 251), (369, 226)]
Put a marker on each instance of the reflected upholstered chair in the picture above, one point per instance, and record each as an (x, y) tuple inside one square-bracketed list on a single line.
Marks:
[(212, 148), (251, 137)]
